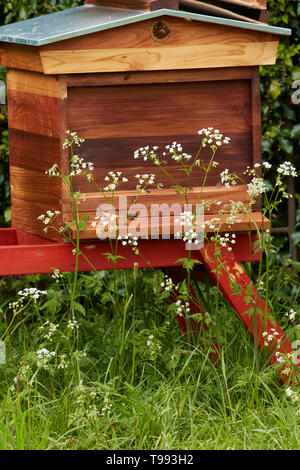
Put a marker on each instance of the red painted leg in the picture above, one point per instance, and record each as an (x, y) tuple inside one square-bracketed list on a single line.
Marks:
[(226, 271)]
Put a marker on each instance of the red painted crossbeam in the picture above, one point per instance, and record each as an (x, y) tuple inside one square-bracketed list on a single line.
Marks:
[(22, 253)]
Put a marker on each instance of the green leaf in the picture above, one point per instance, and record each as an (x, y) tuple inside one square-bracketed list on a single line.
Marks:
[(296, 265), (295, 132), (275, 89)]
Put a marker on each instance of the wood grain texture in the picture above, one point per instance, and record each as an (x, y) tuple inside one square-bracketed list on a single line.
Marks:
[(25, 217), (20, 57), (33, 113), (191, 44), (159, 58), (35, 136), (165, 110), (33, 83), (182, 33), (148, 5), (166, 226), (34, 185), (33, 151), (164, 76), (171, 111), (156, 197), (32, 255)]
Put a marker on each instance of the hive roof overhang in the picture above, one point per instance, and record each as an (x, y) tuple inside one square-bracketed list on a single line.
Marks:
[(89, 19)]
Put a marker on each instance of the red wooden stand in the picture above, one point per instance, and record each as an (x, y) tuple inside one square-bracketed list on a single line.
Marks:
[(22, 253)]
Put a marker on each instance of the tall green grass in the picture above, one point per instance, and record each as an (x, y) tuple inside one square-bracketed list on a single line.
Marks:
[(109, 388)]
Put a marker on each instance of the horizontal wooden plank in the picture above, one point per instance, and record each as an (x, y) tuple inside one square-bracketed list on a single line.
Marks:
[(33, 113), (39, 257), (25, 217), (218, 196), (34, 83), (159, 76), (167, 226), (17, 56), (167, 110), (33, 151), (34, 186), (162, 58)]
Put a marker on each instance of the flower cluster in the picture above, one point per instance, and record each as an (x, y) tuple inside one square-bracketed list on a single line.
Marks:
[(225, 240), (54, 171), (144, 180), (78, 165), (227, 178), (107, 405), (72, 139), (52, 329), (177, 153), (28, 294), (44, 357), (154, 347), (213, 137), (56, 275), (113, 180), (182, 307), (270, 337), (146, 153), (295, 397), (72, 324), (291, 314), (128, 239), (31, 292), (106, 220), (48, 217), (167, 283), (287, 169), (256, 187), (188, 221)]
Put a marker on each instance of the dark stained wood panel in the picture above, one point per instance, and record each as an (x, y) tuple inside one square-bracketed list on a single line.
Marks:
[(116, 120), (159, 109)]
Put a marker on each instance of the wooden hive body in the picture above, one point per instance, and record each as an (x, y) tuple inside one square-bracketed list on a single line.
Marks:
[(120, 89)]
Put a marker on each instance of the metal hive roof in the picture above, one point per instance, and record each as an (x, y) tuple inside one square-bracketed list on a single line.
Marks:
[(88, 19)]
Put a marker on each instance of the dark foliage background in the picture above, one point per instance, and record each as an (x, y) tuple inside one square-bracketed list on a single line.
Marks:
[(280, 116)]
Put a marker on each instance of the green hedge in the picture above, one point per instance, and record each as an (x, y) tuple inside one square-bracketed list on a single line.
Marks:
[(280, 116)]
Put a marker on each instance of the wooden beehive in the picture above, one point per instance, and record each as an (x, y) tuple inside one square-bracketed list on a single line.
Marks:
[(123, 79)]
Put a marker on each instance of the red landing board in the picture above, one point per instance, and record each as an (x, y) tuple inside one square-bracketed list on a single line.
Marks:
[(22, 253)]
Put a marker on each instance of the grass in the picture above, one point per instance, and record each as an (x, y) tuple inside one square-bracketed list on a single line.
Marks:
[(131, 380)]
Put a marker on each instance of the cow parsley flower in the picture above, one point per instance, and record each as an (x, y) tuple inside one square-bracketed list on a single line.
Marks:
[(287, 169), (256, 187)]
